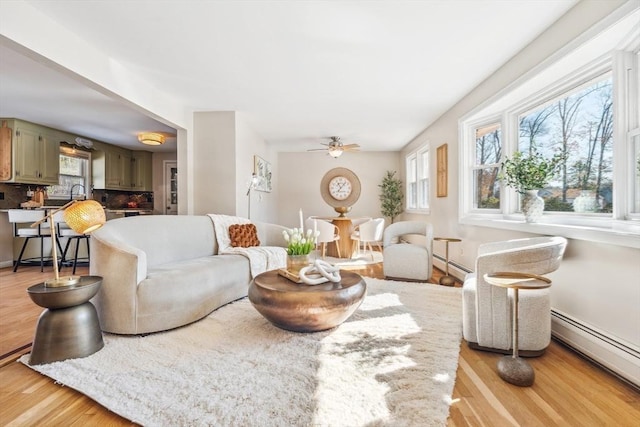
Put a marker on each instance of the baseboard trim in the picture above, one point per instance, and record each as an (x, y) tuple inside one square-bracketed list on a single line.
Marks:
[(456, 270), (619, 358), (4, 264)]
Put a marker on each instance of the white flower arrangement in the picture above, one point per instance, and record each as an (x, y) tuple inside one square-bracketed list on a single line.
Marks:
[(298, 242)]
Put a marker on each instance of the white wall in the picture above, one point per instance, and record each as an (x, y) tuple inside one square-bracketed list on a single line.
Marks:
[(249, 143), (597, 284), (299, 176), (214, 164)]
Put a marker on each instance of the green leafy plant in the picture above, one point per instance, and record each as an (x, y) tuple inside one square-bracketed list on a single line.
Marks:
[(391, 197), (530, 172)]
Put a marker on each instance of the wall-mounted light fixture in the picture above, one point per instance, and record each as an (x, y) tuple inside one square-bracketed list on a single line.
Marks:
[(151, 138)]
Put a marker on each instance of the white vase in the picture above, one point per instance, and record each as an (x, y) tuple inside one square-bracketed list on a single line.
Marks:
[(585, 202), (532, 206)]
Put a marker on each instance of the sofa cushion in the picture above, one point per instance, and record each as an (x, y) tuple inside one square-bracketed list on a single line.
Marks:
[(243, 235), (182, 292)]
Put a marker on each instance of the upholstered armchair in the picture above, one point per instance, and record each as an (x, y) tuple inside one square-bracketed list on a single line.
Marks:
[(487, 309), (404, 260)]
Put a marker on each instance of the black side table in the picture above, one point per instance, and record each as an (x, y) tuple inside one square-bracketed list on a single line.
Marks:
[(69, 327)]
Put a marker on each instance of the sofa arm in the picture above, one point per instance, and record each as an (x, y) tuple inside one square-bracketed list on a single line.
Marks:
[(121, 267), (271, 234)]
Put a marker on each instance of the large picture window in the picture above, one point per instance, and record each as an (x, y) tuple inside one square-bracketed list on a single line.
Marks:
[(585, 107), (578, 125)]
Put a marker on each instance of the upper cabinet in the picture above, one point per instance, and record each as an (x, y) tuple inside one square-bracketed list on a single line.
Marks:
[(35, 154), (116, 168), (141, 171)]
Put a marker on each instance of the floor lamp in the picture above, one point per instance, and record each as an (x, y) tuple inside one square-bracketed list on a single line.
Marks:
[(253, 183), (83, 217)]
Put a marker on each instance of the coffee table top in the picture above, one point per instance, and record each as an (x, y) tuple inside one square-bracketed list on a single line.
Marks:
[(272, 281)]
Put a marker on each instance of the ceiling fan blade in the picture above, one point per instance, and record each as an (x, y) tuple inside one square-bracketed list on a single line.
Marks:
[(318, 149), (351, 147)]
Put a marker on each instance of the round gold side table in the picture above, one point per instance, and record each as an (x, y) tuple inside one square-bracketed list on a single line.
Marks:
[(513, 369), (69, 327), (447, 280)]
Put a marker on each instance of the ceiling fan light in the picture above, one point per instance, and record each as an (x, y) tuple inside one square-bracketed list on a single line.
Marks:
[(335, 153), (151, 138)]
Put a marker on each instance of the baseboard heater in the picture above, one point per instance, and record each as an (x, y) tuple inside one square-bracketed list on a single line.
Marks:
[(609, 353)]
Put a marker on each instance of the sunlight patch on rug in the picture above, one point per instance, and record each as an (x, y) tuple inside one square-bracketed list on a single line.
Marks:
[(392, 363)]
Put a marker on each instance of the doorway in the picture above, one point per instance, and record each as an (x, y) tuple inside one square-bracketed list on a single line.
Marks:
[(170, 188)]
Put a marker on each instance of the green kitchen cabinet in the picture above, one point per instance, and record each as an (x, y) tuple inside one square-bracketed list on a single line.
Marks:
[(141, 171), (36, 152), (112, 169)]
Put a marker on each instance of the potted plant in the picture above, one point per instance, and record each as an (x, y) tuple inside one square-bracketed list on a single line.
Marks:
[(527, 174), (391, 196)]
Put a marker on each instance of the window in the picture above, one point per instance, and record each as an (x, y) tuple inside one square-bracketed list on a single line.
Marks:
[(586, 107), (75, 174), (488, 149), (417, 166), (579, 125)]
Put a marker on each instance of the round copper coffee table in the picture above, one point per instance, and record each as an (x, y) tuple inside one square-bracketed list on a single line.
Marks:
[(305, 308)]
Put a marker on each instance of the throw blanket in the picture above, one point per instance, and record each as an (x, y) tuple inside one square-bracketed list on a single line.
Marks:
[(261, 258)]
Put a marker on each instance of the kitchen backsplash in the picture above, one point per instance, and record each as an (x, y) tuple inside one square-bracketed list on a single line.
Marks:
[(14, 194)]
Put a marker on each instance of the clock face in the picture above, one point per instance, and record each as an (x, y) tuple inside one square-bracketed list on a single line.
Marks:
[(340, 188)]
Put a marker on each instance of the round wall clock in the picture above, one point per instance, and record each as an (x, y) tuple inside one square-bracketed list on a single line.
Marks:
[(340, 189)]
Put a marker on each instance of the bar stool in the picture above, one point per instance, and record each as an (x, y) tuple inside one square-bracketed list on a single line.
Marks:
[(64, 231), (22, 220)]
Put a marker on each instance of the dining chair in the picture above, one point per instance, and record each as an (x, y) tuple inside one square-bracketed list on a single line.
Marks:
[(368, 232)]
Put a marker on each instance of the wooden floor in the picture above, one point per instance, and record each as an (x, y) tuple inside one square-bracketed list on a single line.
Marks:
[(569, 391)]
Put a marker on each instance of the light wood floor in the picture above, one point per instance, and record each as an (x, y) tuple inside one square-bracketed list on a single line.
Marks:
[(569, 391)]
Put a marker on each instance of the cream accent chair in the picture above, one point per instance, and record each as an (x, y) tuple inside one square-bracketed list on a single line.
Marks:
[(368, 232), (328, 233), (408, 261), (487, 310)]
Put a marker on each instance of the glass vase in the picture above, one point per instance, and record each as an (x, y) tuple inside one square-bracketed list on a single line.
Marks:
[(296, 262)]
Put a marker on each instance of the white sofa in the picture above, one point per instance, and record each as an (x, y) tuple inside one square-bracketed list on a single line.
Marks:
[(164, 271)]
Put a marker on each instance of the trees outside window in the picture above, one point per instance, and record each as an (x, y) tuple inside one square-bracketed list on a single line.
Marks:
[(488, 149), (578, 125)]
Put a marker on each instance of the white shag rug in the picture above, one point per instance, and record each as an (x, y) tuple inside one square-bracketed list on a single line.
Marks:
[(392, 363)]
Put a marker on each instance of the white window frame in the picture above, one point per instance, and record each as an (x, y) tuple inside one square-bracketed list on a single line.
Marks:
[(620, 228), (72, 152), (418, 175)]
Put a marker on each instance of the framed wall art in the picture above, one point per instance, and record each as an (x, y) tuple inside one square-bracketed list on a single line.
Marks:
[(262, 169), (441, 171)]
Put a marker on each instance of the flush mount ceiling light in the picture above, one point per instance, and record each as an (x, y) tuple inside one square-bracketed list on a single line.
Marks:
[(151, 138)]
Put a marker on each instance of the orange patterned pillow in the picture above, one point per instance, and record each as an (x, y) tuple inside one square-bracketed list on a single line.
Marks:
[(243, 235)]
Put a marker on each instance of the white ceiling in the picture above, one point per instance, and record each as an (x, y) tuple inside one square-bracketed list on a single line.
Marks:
[(374, 72)]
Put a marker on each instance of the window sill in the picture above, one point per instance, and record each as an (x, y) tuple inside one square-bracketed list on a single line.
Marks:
[(423, 211), (620, 233)]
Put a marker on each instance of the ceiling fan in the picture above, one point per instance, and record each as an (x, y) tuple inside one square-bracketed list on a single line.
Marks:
[(335, 148)]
